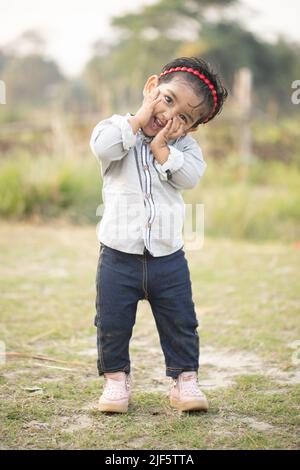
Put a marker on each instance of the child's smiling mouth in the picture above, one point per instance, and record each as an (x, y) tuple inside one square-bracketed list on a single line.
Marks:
[(156, 123), (153, 126)]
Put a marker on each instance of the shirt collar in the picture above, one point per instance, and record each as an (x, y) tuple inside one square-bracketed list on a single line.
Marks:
[(145, 138)]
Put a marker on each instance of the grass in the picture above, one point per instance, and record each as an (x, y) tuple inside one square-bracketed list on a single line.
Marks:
[(247, 300)]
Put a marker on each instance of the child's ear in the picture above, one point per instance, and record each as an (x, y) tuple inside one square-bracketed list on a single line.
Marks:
[(151, 83)]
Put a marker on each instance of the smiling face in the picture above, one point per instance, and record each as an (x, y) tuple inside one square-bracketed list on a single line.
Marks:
[(177, 99)]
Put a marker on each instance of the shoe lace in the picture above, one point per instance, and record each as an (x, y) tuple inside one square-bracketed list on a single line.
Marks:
[(189, 385), (116, 389)]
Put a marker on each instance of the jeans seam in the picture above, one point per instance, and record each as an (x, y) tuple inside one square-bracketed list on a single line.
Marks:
[(145, 277), (101, 358), (101, 352)]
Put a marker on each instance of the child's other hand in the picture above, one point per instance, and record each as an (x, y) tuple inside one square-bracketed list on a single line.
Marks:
[(145, 112), (174, 129)]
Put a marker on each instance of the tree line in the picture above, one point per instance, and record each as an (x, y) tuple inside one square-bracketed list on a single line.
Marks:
[(113, 77)]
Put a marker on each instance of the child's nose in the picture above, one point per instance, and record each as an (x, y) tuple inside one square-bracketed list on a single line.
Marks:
[(169, 115)]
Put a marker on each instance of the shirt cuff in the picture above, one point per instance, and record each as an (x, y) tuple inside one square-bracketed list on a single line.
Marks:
[(128, 137), (174, 162)]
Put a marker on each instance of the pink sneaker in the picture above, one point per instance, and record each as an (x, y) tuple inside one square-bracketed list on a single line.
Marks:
[(116, 394), (185, 394)]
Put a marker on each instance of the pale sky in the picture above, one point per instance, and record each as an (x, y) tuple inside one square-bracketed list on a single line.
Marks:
[(70, 27)]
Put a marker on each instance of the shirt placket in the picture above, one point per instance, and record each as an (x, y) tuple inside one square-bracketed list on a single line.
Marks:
[(147, 193)]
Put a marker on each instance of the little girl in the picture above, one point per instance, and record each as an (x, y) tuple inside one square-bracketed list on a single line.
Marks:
[(146, 160)]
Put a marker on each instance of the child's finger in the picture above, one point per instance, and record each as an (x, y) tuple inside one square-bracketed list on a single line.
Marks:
[(175, 125), (167, 128), (177, 131), (182, 128), (155, 100), (169, 125), (155, 92)]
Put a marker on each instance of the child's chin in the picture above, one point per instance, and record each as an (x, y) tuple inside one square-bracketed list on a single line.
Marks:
[(148, 131)]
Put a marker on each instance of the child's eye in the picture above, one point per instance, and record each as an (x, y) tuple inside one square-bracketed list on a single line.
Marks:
[(169, 100)]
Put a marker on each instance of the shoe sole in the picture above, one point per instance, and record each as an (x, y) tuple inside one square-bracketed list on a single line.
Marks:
[(113, 407), (189, 406)]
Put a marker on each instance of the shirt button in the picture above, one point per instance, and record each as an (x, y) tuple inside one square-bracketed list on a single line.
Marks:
[(148, 224), (147, 195), (146, 167)]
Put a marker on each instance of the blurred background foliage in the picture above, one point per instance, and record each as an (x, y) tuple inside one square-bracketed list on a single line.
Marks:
[(46, 166)]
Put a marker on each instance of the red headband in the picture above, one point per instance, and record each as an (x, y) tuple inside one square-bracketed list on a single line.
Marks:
[(201, 76)]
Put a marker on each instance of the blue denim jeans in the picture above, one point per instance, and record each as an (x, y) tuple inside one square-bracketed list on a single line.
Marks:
[(122, 280)]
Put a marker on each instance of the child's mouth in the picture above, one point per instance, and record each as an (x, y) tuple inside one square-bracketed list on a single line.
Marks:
[(156, 123)]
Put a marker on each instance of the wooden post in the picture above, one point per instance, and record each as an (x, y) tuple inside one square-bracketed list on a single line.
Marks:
[(2, 92), (243, 103)]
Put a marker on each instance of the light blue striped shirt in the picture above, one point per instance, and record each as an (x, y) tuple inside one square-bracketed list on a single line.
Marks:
[(142, 206)]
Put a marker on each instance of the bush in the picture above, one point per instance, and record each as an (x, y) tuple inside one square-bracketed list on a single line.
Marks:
[(49, 187), (260, 203)]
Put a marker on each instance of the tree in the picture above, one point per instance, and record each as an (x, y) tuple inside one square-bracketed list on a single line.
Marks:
[(29, 80), (148, 39)]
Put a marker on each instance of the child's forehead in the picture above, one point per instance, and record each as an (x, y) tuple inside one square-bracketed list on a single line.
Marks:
[(182, 90)]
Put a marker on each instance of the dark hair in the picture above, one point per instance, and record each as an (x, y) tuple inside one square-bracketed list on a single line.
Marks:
[(200, 88)]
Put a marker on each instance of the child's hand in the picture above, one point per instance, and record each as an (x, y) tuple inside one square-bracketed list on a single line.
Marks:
[(145, 112), (174, 129)]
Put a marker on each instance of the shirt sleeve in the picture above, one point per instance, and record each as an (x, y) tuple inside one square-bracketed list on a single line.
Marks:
[(112, 138), (174, 162), (185, 163)]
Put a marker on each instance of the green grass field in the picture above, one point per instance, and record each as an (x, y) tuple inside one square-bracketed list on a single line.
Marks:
[(247, 300)]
